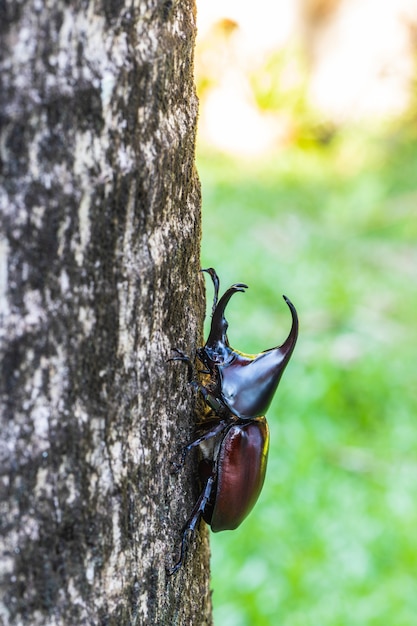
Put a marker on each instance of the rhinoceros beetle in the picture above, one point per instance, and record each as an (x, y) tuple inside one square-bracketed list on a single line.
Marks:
[(234, 440)]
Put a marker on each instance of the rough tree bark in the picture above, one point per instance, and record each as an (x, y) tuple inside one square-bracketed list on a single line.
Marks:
[(99, 260)]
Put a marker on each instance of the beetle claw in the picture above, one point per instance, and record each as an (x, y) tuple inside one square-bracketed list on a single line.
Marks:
[(175, 467), (184, 547), (181, 356), (190, 526)]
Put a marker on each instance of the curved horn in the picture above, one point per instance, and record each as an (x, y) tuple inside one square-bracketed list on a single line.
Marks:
[(219, 324), (289, 344), (216, 282)]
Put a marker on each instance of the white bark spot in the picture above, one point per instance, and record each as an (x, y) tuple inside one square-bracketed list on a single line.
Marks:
[(4, 254)]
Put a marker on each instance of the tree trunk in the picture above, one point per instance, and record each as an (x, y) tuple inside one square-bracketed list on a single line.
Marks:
[(99, 260)]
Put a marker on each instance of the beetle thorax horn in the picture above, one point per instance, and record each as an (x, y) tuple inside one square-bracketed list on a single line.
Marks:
[(288, 346)]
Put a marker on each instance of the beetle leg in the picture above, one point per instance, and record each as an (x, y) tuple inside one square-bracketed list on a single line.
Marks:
[(212, 432), (213, 403), (209, 399), (192, 522), (186, 359)]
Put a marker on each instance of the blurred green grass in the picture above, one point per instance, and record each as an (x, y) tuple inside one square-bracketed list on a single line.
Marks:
[(333, 538)]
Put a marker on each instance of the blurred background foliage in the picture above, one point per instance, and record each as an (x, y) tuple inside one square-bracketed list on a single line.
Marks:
[(325, 212)]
